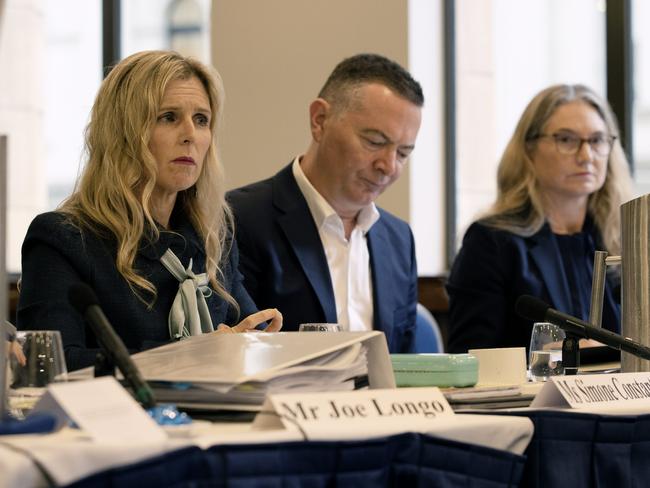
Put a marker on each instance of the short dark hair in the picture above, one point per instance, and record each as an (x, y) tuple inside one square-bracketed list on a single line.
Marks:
[(370, 68)]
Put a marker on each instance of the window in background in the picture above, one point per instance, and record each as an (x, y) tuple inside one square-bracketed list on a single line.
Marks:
[(181, 25), (73, 67), (48, 54), (641, 105), (73, 71), (507, 51), (49, 85)]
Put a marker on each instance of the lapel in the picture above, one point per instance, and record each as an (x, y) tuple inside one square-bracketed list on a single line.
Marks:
[(296, 222), (545, 253), (382, 288)]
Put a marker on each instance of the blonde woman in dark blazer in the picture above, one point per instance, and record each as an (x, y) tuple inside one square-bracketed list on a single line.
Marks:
[(147, 226)]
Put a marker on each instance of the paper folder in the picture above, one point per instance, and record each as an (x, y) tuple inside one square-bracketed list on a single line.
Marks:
[(221, 362)]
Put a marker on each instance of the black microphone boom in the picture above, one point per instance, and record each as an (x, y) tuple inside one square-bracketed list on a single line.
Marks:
[(532, 308), (84, 300)]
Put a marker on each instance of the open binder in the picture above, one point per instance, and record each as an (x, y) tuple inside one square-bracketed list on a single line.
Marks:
[(237, 371)]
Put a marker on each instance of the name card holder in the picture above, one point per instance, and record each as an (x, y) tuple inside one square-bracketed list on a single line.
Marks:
[(103, 409), (618, 390), (337, 415)]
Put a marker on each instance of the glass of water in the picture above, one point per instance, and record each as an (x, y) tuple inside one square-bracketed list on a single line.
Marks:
[(319, 327), (545, 357), (41, 360)]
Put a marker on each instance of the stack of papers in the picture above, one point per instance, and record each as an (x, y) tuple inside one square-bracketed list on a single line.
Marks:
[(489, 397), (237, 371), (338, 370)]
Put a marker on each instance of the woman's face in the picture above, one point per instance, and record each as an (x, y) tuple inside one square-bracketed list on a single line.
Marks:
[(571, 175), (181, 136)]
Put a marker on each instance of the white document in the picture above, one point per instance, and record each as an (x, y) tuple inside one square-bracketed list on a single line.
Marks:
[(103, 409)]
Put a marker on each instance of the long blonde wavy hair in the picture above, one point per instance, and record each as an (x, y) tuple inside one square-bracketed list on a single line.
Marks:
[(518, 206), (112, 197)]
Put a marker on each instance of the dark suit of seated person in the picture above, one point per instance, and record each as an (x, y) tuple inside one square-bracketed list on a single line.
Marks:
[(311, 239), (561, 181), (147, 226)]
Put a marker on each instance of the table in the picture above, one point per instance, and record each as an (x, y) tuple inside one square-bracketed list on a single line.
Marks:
[(576, 449), (402, 460), (235, 455)]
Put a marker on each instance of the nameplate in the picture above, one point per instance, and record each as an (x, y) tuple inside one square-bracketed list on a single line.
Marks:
[(379, 412), (102, 409), (595, 390)]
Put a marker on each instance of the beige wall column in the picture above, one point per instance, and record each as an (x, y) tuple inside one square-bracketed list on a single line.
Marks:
[(274, 57)]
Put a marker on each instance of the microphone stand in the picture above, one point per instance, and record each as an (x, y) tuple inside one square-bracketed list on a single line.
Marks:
[(571, 354)]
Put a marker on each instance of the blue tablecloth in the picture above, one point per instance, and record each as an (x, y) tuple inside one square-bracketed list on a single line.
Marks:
[(584, 450), (405, 460)]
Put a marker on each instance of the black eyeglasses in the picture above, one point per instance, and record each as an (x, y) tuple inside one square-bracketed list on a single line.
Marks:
[(569, 144)]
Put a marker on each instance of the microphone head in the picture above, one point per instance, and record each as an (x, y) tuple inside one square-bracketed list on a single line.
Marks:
[(81, 296), (531, 308)]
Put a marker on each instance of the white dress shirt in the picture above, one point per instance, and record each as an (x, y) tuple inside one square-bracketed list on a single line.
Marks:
[(348, 260)]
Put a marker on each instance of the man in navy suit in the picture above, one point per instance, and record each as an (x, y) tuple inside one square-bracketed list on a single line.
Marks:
[(311, 240)]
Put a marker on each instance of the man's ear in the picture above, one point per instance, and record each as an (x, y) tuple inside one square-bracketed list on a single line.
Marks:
[(319, 111)]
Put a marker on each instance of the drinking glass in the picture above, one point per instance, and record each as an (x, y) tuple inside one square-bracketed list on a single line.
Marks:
[(43, 360), (545, 359), (319, 327)]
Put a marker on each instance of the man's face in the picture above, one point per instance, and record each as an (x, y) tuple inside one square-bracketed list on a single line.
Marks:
[(361, 148)]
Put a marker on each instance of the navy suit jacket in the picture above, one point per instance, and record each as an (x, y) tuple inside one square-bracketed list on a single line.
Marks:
[(492, 270), (284, 264), (56, 254)]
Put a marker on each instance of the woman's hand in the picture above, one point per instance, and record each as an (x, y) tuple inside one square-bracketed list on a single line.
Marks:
[(255, 319), (16, 350)]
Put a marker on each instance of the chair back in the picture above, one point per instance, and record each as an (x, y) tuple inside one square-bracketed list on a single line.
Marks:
[(427, 332)]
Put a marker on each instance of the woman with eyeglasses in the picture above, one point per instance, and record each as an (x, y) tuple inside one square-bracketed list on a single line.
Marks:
[(561, 181)]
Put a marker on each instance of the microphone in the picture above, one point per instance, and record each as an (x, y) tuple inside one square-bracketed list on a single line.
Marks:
[(84, 300), (534, 309)]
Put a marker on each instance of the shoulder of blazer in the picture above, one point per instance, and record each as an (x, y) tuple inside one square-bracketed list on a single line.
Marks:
[(60, 230), (279, 190), (391, 219), (391, 229), (286, 192), (503, 236)]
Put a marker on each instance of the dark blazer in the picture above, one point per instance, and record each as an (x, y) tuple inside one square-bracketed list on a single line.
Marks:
[(56, 254), (492, 270), (285, 267)]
